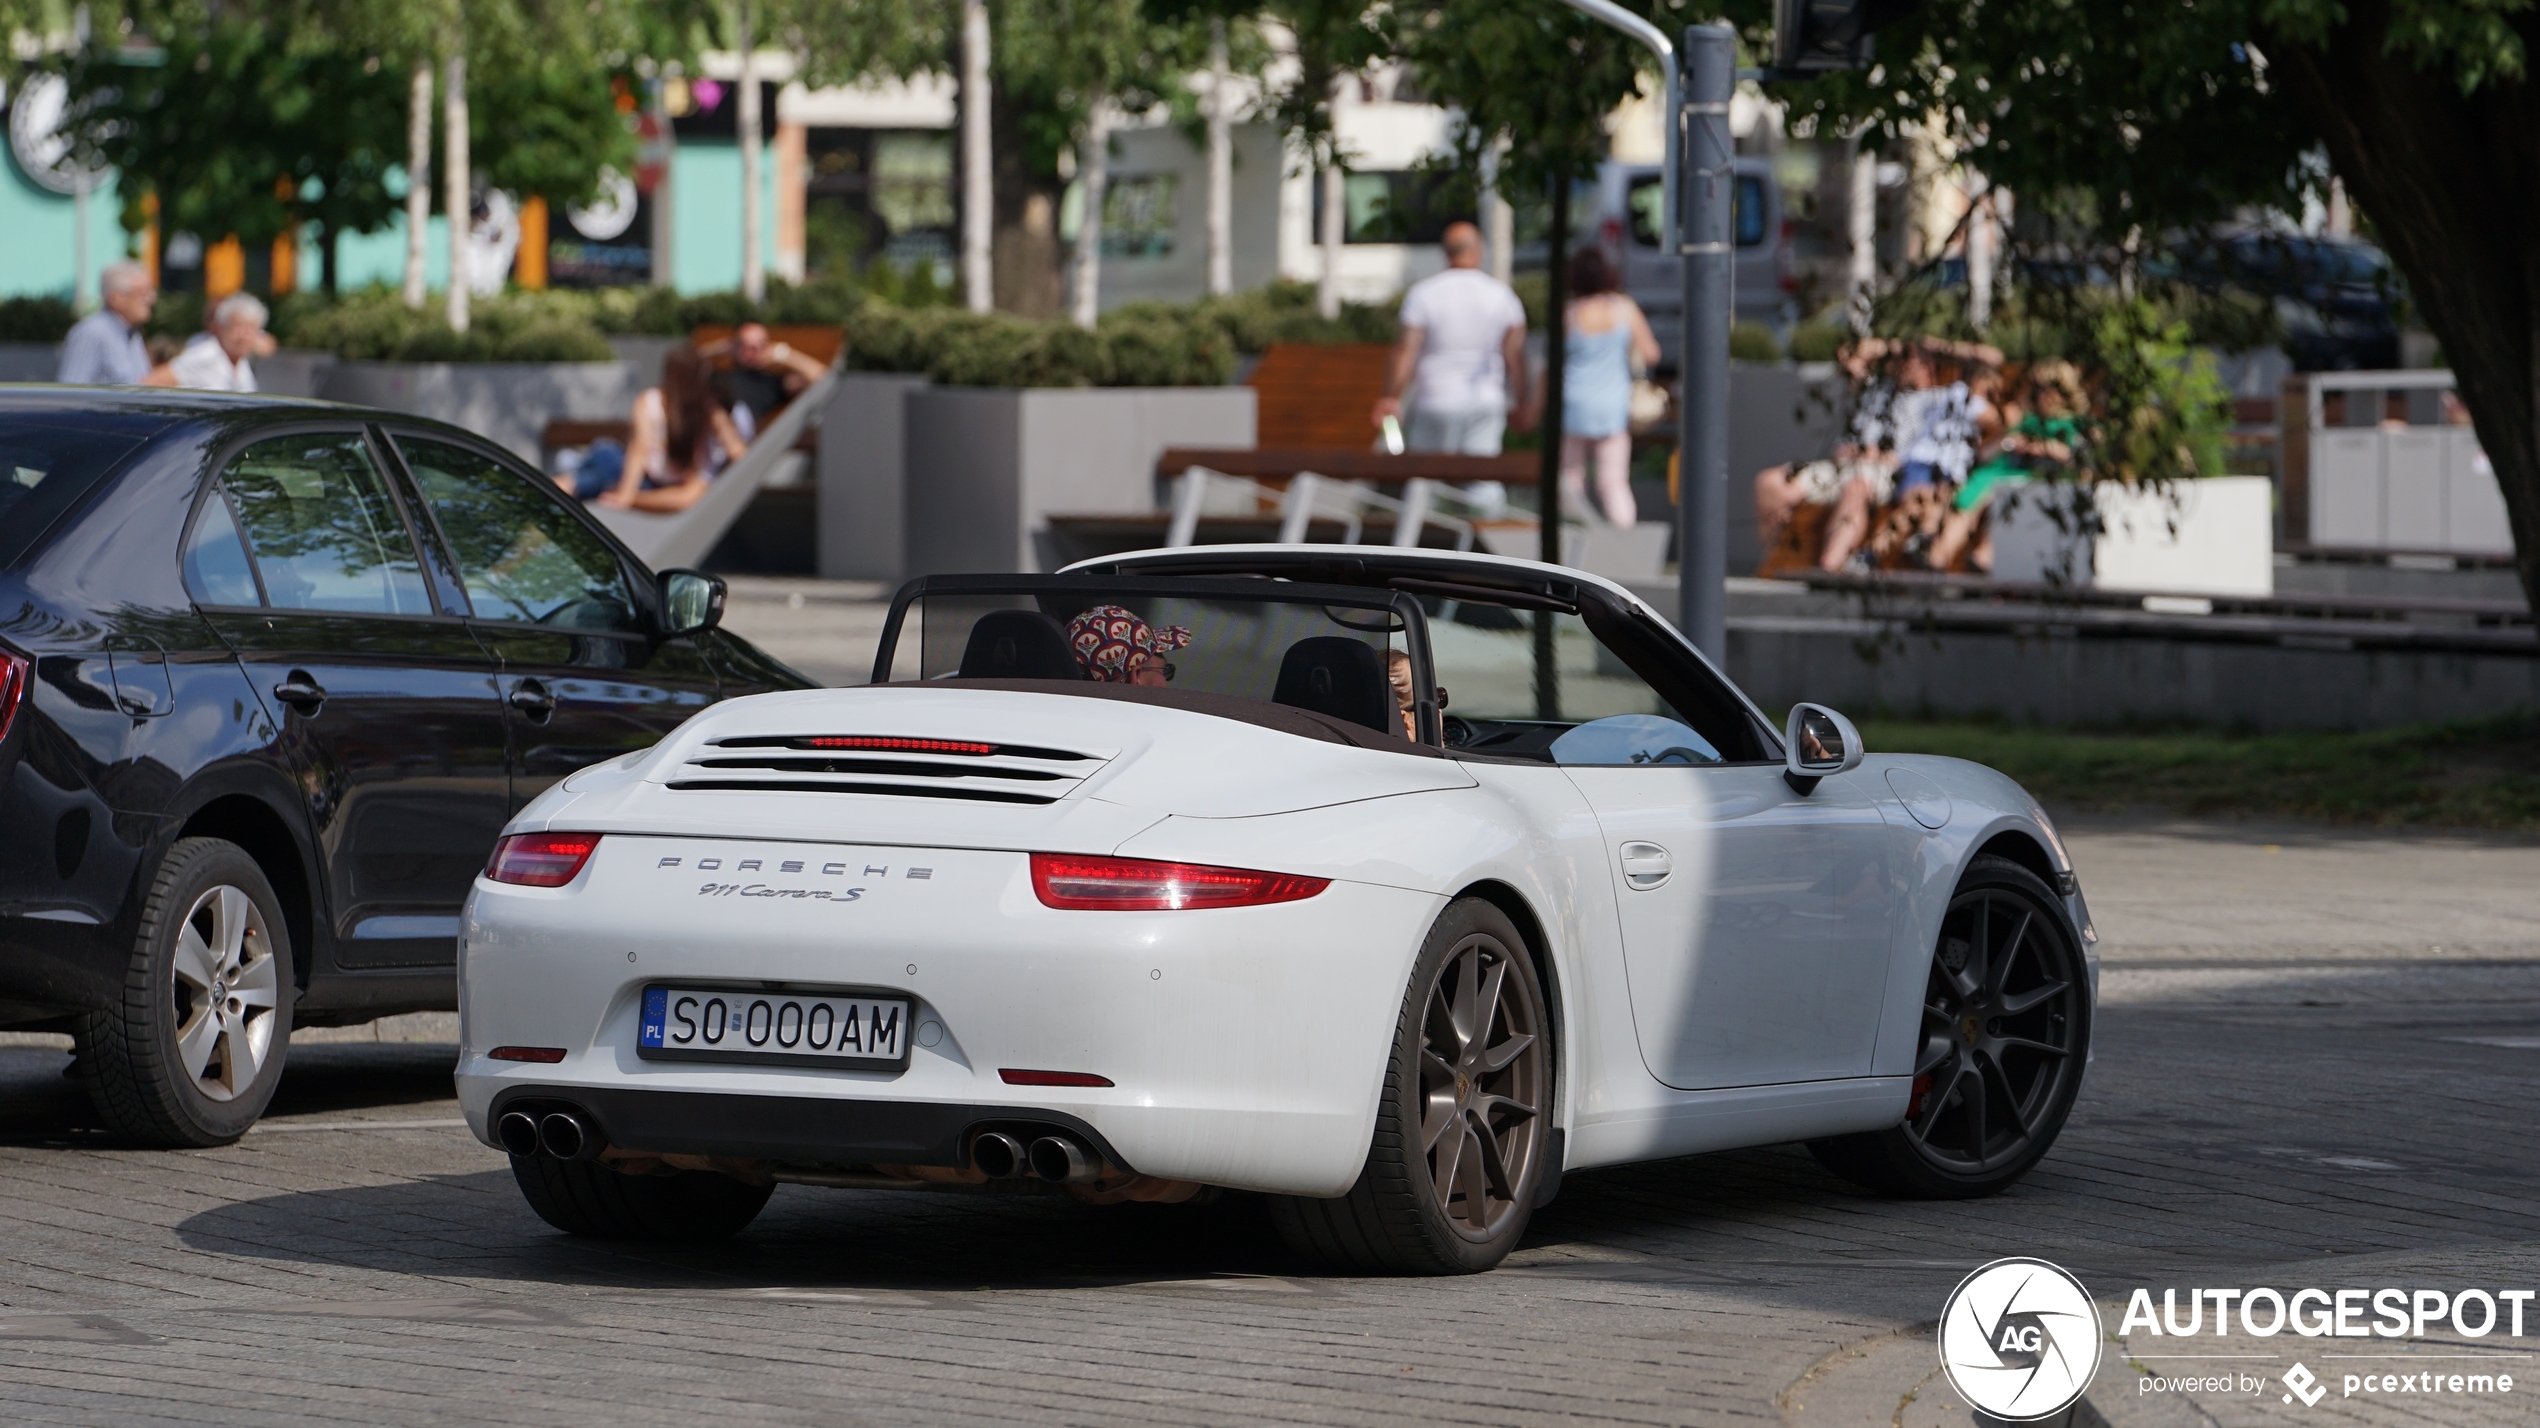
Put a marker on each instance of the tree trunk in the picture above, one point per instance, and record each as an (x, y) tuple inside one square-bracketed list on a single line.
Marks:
[(334, 249), (2452, 184), (1221, 166), (753, 263), (418, 180), (978, 185), (454, 180), (1030, 269), (1499, 220), (1862, 222), (1093, 170), (1333, 227)]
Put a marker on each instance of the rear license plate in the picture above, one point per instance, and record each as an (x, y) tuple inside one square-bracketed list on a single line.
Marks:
[(842, 1029)]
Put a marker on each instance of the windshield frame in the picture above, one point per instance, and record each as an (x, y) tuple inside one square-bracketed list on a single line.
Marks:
[(1401, 605)]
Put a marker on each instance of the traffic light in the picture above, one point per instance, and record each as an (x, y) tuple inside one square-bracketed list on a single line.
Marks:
[(1811, 36)]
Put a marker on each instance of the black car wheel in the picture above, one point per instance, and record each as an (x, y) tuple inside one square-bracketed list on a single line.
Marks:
[(584, 1198), (2006, 1030), (191, 1053), (1461, 1129)]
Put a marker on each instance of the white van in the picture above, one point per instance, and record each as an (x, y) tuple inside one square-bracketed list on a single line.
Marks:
[(1628, 200)]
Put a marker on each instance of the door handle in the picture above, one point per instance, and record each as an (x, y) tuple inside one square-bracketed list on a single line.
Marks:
[(532, 700), (1645, 866), (301, 692)]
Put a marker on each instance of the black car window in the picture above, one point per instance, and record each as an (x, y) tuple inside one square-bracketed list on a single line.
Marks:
[(522, 555), (45, 467), (323, 531), (216, 568)]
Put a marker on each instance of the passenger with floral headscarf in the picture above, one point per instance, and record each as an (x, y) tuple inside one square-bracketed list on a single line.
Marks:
[(1116, 647)]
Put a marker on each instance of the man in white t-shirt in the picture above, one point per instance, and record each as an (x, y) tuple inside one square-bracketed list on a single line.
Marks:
[(220, 365), (1461, 354)]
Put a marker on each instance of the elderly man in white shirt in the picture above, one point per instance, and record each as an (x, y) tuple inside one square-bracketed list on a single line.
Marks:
[(220, 365), (1461, 355)]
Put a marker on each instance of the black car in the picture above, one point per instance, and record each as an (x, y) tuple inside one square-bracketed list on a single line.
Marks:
[(273, 675)]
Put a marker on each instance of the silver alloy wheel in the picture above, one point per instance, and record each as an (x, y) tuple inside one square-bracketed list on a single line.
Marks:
[(1482, 1076), (225, 991)]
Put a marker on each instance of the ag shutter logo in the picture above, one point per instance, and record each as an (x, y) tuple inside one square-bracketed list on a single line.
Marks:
[(2020, 1339)]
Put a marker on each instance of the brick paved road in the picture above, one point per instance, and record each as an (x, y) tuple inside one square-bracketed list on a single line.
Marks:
[(2315, 1059)]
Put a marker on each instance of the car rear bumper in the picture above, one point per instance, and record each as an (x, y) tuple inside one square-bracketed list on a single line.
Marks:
[(1244, 1046), (806, 1130)]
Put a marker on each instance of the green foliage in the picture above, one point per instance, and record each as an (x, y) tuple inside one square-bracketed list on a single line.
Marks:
[(1281, 312), (1753, 342), (1144, 346), (35, 319), (1539, 79), (546, 124), (374, 326), (1817, 340)]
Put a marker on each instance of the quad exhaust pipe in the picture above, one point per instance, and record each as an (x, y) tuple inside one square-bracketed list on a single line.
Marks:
[(1057, 1159), (566, 1135)]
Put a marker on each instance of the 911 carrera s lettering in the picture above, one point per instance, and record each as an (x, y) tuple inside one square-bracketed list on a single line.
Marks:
[(763, 890)]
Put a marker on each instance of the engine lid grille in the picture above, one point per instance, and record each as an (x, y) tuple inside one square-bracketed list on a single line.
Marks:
[(887, 765)]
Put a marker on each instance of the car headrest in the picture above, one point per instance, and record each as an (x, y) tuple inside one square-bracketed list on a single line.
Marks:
[(1339, 676), (1018, 644)]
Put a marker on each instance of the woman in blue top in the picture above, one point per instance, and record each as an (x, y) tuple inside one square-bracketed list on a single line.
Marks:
[(1608, 336)]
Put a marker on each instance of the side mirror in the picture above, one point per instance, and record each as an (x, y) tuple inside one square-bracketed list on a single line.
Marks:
[(691, 602), (1820, 743)]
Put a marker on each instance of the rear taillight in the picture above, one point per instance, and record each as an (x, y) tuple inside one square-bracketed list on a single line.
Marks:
[(1138, 885), (541, 860), (14, 669)]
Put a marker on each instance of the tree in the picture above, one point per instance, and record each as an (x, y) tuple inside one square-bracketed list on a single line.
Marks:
[(238, 131), (2152, 120)]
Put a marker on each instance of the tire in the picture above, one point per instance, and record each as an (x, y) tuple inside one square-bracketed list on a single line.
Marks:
[(2006, 1033), (583, 1197), (1439, 1079), (190, 1053)]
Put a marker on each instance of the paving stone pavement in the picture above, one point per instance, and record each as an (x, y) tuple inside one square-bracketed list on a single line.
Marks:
[(2315, 1058)]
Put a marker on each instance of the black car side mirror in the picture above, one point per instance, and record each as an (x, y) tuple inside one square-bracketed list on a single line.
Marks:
[(1820, 744), (691, 602)]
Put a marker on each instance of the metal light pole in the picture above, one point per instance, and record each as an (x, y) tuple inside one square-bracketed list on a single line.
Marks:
[(1706, 194), (1699, 193)]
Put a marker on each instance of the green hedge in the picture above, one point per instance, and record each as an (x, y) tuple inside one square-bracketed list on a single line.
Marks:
[(1145, 346), (35, 319)]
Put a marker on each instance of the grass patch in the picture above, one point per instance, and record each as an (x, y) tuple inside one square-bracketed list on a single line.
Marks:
[(2482, 773)]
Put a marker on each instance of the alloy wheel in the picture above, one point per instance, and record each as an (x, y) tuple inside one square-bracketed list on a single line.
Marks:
[(1482, 1081), (226, 991), (1999, 1033)]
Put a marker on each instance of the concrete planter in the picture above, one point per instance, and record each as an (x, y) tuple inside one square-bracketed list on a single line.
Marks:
[(863, 477), (29, 361), (2210, 537), (986, 467), (505, 402)]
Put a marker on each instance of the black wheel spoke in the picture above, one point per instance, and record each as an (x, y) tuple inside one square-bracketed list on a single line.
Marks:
[(2014, 1003), (1988, 1068), (2022, 1043), (1998, 967)]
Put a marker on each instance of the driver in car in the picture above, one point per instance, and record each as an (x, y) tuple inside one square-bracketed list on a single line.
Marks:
[(1114, 646)]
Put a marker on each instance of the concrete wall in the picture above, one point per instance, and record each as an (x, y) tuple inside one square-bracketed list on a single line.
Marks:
[(2048, 677), (986, 467), (863, 477), (505, 402)]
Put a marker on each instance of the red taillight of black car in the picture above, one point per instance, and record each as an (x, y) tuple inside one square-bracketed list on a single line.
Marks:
[(14, 670), (540, 860)]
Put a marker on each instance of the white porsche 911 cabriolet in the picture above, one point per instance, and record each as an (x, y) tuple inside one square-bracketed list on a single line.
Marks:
[(1391, 884)]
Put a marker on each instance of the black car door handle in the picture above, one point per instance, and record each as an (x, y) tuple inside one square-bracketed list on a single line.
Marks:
[(300, 692), (532, 700)]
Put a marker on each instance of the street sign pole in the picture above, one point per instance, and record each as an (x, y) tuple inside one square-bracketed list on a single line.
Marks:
[(1706, 193)]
